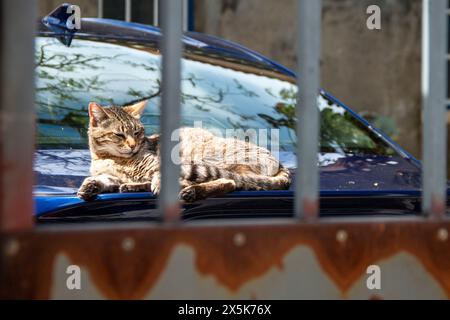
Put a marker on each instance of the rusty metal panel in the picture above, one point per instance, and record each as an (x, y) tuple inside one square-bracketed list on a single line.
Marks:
[(326, 260)]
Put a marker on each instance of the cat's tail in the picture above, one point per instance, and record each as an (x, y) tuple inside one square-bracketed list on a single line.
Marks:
[(283, 178), (243, 175), (250, 181)]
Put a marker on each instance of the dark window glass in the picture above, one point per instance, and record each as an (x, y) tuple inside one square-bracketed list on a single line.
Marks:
[(448, 28), (142, 11), (114, 9)]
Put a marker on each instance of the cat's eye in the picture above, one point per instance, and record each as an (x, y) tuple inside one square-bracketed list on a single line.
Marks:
[(119, 135), (137, 132)]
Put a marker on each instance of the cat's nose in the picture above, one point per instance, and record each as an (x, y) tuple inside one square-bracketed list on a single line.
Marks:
[(131, 142)]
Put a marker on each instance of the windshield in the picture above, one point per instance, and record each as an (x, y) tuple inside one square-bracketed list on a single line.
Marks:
[(216, 94)]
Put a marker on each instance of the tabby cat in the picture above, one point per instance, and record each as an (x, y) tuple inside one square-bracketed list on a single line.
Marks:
[(125, 160)]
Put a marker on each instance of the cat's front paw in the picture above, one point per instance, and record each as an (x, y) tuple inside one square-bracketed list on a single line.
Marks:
[(124, 188), (134, 187), (155, 185), (188, 194), (89, 189)]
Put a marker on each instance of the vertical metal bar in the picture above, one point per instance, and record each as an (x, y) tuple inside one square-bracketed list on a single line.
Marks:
[(155, 13), (17, 122), (185, 15), (127, 10), (170, 106), (100, 9), (434, 80), (308, 80)]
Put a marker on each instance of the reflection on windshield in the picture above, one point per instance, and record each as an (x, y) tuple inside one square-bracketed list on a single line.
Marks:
[(218, 96)]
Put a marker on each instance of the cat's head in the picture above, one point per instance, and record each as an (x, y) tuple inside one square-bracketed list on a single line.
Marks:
[(116, 131)]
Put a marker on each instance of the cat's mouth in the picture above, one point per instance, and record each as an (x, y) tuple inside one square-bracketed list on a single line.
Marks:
[(129, 153)]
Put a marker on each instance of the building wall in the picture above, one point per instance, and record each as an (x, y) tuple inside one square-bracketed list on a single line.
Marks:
[(375, 71), (88, 7)]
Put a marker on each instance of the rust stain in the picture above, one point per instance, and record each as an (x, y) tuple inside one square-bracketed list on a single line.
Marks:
[(172, 214), (253, 296), (130, 272), (15, 206), (310, 209), (438, 207)]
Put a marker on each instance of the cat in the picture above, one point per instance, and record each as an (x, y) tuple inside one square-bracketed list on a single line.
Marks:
[(123, 159)]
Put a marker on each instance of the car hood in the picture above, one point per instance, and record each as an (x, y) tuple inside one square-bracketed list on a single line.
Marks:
[(62, 171)]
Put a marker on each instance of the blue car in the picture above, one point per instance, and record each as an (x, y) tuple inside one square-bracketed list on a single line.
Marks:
[(224, 86)]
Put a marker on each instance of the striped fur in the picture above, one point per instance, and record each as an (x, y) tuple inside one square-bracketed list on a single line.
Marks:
[(125, 160)]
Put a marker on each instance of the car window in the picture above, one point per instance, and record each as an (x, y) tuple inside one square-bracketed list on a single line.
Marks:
[(217, 94)]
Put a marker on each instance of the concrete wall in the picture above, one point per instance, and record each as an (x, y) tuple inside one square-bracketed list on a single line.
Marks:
[(376, 71), (88, 7)]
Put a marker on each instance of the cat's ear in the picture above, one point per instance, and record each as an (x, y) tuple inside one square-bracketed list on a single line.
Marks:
[(136, 110), (96, 114)]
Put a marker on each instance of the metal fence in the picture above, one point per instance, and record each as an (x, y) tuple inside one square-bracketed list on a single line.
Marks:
[(17, 107), (343, 249), (434, 82)]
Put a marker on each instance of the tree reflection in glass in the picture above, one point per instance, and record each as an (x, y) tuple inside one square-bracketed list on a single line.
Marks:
[(221, 96)]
